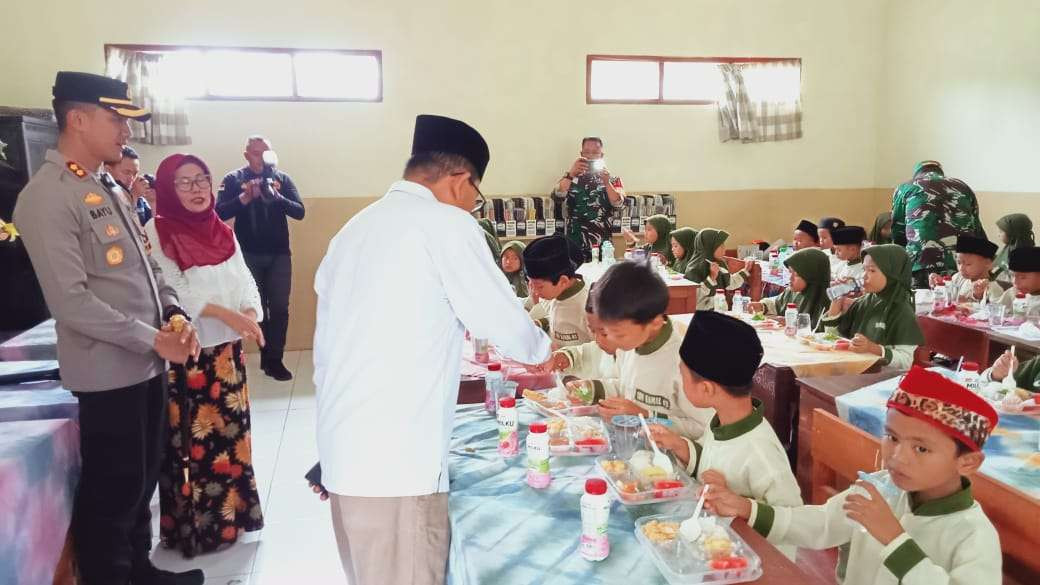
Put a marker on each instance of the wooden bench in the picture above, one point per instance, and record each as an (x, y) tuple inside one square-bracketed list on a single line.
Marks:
[(840, 450)]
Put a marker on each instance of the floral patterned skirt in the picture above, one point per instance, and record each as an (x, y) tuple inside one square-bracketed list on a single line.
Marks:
[(220, 498)]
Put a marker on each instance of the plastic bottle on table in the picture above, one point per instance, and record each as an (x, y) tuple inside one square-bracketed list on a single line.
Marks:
[(596, 257), (970, 377), (481, 350), (538, 475), (595, 515), (938, 299), (720, 300), (492, 386), (738, 303), (607, 251), (508, 441), (791, 320)]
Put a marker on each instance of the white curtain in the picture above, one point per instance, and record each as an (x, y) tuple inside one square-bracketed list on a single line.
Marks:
[(143, 73), (761, 102)]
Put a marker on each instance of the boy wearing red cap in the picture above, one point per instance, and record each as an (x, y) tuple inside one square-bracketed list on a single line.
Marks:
[(933, 531)]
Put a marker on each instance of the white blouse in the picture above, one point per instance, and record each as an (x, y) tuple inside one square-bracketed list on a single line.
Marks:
[(228, 284)]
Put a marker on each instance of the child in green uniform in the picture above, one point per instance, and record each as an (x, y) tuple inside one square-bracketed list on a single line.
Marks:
[(882, 322), (929, 530), (682, 248), (810, 276), (708, 268)]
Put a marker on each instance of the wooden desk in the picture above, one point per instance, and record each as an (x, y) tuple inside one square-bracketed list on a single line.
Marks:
[(984, 346), (820, 392), (682, 298), (776, 568), (955, 340)]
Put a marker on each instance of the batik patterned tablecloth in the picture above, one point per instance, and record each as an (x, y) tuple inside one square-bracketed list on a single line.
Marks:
[(41, 400), (39, 469), (505, 532), (38, 343), (1011, 452)]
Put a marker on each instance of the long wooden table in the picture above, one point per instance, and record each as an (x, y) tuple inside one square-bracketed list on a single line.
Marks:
[(820, 392), (983, 346)]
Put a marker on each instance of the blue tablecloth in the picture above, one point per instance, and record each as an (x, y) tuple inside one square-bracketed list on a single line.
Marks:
[(506, 532), (41, 400), (1011, 452), (38, 343), (39, 469)]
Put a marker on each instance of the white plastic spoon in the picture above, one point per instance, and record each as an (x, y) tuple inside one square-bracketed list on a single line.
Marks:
[(660, 459), (691, 529)]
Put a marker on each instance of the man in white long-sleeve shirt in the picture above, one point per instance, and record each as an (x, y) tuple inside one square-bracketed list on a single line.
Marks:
[(387, 353)]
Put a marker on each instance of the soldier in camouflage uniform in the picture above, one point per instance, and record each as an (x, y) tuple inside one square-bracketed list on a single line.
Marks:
[(591, 194), (928, 213)]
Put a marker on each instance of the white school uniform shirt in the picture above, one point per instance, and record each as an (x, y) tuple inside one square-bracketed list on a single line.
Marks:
[(229, 284), (946, 542), (966, 289), (590, 362), (842, 270), (649, 376), (749, 454), (400, 284)]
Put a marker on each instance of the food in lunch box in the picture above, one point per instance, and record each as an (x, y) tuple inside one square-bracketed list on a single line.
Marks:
[(716, 543), (654, 473), (731, 562), (759, 317), (641, 460), (556, 426), (615, 468), (658, 531)]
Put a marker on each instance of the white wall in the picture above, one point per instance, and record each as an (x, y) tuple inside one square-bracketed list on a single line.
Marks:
[(961, 84), (515, 70)]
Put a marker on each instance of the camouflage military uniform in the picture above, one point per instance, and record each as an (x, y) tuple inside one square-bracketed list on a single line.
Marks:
[(589, 210), (928, 214)]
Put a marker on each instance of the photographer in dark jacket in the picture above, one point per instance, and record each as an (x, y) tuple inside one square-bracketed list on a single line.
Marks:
[(259, 197)]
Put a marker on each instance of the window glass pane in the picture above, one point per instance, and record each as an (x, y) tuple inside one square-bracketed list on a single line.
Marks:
[(624, 80), (249, 73), (691, 80), (774, 82), (182, 73), (336, 75)]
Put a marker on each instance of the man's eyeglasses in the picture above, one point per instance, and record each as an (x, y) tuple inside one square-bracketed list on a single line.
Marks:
[(184, 185), (481, 201)]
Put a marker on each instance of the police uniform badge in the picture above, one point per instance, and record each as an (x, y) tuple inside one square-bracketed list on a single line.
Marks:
[(114, 255), (93, 199), (76, 169)]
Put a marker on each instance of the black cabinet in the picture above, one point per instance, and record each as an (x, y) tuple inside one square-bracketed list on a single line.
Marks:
[(27, 139)]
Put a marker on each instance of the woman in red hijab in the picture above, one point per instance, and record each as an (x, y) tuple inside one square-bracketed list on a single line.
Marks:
[(207, 489)]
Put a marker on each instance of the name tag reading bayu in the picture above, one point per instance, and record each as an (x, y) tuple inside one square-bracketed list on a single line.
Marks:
[(102, 212)]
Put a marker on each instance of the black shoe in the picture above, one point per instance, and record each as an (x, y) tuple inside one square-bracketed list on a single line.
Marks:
[(277, 370), (154, 576)]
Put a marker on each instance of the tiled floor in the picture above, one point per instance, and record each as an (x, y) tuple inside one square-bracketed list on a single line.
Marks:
[(297, 544)]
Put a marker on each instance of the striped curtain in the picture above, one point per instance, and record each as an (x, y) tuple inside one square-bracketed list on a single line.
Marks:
[(142, 72), (761, 102)]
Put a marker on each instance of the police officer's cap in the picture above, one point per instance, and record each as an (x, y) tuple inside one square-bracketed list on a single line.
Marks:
[(111, 94)]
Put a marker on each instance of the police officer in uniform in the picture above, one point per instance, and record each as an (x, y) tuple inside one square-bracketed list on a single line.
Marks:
[(118, 325)]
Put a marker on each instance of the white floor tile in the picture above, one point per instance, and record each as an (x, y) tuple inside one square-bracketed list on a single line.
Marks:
[(293, 500), (237, 560), (300, 551)]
